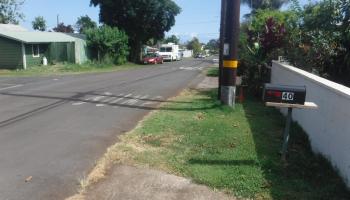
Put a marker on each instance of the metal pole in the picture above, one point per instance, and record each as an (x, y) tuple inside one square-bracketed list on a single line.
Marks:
[(286, 134), (222, 28), (230, 52)]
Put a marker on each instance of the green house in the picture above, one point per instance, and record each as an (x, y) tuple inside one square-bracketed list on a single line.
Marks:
[(23, 49)]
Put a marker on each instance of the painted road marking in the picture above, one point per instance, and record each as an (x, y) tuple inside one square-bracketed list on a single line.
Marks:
[(122, 99), (10, 87), (130, 102), (78, 103), (152, 102), (128, 95), (116, 101), (83, 102), (148, 103), (144, 97), (98, 98), (105, 102)]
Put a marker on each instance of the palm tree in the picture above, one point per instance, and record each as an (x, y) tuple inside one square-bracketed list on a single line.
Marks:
[(264, 4)]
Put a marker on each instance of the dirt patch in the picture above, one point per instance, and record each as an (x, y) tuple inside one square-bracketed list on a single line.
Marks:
[(209, 83)]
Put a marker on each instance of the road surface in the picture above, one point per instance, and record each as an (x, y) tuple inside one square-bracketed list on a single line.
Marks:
[(53, 129)]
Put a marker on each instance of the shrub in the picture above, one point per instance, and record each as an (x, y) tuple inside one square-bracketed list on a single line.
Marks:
[(109, 45), (264, 38)]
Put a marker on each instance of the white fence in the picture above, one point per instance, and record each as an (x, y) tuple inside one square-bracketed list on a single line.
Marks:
[(329, 126)]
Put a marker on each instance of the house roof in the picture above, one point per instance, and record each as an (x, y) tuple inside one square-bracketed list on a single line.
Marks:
[(37, 37), (11, 27)]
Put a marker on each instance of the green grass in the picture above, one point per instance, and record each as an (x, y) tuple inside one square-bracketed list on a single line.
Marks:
[(232, 150), (59, 69), (213, 72)]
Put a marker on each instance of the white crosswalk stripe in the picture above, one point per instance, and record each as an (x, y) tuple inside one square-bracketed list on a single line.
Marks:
[(108, 99), (192, 68)]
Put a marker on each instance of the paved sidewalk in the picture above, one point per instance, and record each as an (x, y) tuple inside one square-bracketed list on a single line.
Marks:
[(133, 183)]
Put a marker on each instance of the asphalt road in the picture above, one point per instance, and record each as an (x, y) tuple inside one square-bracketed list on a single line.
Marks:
[(53, 129)]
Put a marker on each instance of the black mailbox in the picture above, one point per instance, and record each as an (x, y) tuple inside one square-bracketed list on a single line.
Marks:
[(284, 94)]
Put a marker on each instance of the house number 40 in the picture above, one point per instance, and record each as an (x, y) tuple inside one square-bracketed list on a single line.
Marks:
[(288, 96)]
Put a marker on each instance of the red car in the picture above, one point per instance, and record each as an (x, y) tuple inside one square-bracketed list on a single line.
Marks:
[(153, 58)]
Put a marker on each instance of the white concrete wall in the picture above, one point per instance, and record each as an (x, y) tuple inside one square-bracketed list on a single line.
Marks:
[(187, 53), (329, 126)]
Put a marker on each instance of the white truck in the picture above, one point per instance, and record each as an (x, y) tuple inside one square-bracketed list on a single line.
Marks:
[(170, 52)]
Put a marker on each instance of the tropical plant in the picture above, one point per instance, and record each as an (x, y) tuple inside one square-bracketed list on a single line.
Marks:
[(325, 39), (264, 38)]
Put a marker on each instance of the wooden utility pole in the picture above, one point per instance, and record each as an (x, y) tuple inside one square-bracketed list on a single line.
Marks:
[(229, 58)]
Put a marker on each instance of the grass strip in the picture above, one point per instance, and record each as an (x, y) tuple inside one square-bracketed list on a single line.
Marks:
[(213, 72), (62, 69), (235, 151)]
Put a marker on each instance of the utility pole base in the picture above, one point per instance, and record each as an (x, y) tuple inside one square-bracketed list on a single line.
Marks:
[(228, 95)]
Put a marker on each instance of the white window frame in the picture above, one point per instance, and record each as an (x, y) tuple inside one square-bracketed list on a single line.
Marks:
[(38, 48)]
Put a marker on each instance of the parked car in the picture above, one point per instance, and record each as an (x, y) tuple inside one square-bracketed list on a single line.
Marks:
[(153, 58), (215, 60), (199, 56)]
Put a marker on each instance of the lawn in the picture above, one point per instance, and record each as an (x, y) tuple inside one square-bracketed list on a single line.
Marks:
[(68, 69), (235, 151), (213, 72)]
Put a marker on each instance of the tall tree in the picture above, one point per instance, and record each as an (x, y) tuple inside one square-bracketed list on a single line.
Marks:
[(172, 39), (84, 23), (63, 28), (39, 23), (264, 4), (195, 45), (10, 11), (140, 19), (213, 45)]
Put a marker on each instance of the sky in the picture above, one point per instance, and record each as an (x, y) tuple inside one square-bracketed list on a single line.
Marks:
[(199, 18)]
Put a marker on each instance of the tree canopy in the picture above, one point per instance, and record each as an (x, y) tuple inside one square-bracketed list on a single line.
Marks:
[(314, 37), (140, 19), (39, 23), (172, 39), (10, 11), (63, 28), (213, 46), (265, 4), (195, 45), (84, 23)]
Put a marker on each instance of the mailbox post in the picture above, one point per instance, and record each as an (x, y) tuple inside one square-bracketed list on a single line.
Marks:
[(286, 133), (290, 97)]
